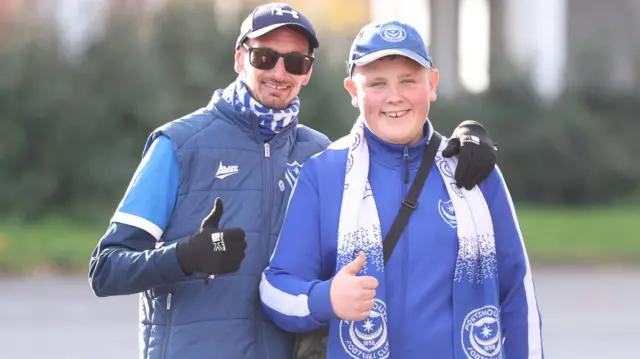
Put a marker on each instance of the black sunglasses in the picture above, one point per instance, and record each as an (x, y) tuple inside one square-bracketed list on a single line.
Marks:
[(266, 59)]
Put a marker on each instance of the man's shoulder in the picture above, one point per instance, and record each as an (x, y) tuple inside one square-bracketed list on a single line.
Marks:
[(182, 129), (308, 134), (200, 118), (189, 123)]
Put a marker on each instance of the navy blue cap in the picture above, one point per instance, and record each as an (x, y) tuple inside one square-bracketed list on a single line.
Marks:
[(268, 17), (380, 39)]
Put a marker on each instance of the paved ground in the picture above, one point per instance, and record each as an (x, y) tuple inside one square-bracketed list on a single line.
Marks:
[(588, 314)]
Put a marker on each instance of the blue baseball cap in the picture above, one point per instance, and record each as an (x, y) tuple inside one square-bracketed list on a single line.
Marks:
[(268, 17), (380, 39)]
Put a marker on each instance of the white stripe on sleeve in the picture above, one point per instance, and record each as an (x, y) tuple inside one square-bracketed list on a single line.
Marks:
[(535, 338), (283, 303), (138, 222)]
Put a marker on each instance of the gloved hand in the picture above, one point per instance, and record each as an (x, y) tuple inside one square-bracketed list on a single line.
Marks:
[(212, 250), (476, 152)]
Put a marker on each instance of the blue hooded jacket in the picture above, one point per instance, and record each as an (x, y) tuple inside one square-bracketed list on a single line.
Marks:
[(296, 286), (213, 152)]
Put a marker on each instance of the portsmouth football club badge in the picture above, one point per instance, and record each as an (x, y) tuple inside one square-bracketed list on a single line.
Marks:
[(367, 339), (481, 334), (393, 33), (444, 167), (367, 191), (447, 212)]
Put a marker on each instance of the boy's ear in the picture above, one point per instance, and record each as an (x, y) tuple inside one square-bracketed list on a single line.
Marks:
[(434, 79), (352, 89)]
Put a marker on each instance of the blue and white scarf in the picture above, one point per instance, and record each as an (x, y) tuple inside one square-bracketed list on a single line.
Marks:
[(475, 294), (271, 121)]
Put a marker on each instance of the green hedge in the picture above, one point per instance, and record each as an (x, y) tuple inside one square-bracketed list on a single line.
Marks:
[(579, 150), (72, 129)]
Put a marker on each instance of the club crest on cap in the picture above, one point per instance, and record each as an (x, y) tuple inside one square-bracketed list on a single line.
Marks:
[(393, 33)]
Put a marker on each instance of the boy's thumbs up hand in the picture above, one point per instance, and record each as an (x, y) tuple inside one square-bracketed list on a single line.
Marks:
[(352, 295)]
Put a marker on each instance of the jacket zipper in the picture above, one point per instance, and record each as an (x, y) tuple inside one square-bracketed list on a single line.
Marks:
[(267, 200), (167, 327), (267, 226), (405, 156)]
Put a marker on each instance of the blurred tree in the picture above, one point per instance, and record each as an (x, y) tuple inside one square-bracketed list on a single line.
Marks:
[(560, 154), (71, 133), (35, 91)]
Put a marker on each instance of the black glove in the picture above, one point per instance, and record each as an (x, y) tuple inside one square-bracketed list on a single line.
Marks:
[(212, 250), (476, 152)]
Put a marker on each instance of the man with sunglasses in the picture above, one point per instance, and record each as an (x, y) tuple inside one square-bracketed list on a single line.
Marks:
[(196, 269)]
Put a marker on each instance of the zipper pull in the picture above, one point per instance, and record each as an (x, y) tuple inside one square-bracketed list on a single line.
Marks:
[(267, 150), (406, 164), (169, 301)]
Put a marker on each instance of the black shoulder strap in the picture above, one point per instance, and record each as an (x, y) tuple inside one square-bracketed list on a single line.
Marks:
[(410, 202)]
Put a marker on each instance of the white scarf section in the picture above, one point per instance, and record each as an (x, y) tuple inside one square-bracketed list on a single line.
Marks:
[(476, 240), (359, 226)]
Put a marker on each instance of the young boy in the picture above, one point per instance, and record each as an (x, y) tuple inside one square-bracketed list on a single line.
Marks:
[(435, 295)]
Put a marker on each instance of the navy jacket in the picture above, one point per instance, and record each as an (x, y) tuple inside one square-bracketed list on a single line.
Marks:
[(213, 152)]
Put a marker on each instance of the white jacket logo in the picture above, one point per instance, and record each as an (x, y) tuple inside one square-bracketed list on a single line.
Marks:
[(226, 171), (218, 242)]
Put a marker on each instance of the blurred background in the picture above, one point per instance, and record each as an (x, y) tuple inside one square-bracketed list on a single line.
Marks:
[(83, 82)]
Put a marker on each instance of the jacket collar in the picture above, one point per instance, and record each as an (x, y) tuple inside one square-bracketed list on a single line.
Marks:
[(393, 154)]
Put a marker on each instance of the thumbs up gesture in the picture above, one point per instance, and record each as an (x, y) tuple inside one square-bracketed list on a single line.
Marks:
[(352, 295), (212, 250)]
